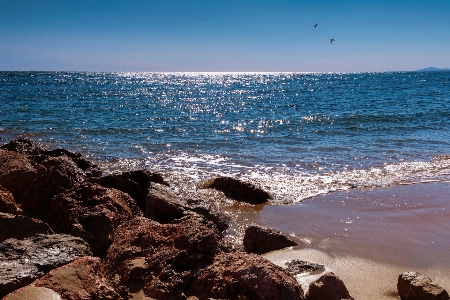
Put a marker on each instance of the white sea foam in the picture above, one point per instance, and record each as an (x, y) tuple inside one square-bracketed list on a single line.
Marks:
[(286, 185)]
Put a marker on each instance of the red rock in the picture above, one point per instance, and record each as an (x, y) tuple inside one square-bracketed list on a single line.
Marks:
[(160, 260), (38, 154), (415, 286), (239, 275), (59, 174), (81, 279), (208, 210), (20, 227), (7, 202), (238, 190), (93, 213), (24, 146), (328, 287), (258, 239), (17, 173), (135, 183), (23, 261), (163, 205)]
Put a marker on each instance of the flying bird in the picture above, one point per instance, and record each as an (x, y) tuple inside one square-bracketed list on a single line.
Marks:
[(315, 25), (331, 41)]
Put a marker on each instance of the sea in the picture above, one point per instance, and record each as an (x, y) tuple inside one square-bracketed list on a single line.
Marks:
[(296, 135)]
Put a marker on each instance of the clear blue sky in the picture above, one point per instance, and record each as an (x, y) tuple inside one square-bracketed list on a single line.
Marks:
[(224, 35)]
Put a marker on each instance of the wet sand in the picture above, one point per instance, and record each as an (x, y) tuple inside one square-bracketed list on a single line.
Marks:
[(369, 237)]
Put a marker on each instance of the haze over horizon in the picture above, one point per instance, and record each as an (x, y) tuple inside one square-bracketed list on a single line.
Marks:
[(224, 36)]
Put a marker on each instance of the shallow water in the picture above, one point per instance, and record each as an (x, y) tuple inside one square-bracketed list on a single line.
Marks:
[(368, 238)]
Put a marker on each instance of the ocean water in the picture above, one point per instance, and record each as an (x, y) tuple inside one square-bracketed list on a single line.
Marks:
[(296, 135)]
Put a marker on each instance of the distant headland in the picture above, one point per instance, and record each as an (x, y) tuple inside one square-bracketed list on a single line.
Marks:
[(432, 69)]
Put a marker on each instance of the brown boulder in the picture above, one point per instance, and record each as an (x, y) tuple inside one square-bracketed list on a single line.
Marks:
[(239, 190), (20, 227), (414, 286), (135, 183), (24, 146), (92, 212), (23, 261), (81, 279), (328, 287), (164, 206), (17, 173), (7, 202), (39, 154), (59, 174), (160, 260), (238, 275), (258, 239), (208, 210)]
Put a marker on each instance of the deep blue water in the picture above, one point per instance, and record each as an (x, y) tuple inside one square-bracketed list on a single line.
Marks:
[(295, 134)]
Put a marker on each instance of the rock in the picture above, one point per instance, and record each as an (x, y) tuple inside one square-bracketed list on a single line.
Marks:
[(24, 146), (92, 212), (164, 206), (17, 173), (297, 266), (81, 279), (238, 275), (258, 239), (209, 211), (238, 190), (135, 183), (160, 260), (7, 202), (20, 227), (23, 261), (60, 174), (328, 287), (414, 286), (39, 154)]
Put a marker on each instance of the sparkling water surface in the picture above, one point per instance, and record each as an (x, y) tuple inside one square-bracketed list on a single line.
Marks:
[(295, 134)]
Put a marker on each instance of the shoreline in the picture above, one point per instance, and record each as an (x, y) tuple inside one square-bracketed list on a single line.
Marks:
[(369, 237), (366, 237)]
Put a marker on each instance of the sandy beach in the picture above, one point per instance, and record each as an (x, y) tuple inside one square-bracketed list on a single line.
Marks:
[(368, 237)]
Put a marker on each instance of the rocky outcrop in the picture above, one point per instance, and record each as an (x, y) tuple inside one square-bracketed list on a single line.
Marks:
[(24, 146), (17, 173), (20, 227), (188, 258), (239, 190), (160, 260), (208, 210), (34, 175), (81, 279), (38, 154), (414, 286), (7, 202), (164, 206), (135, 183), (328, 287), (258, 239), (59, 174), (92, 212), (238, 275), (177, 252), (23, 261)]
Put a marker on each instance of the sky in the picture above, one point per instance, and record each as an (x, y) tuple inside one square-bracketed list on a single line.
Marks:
[(224, 36)]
